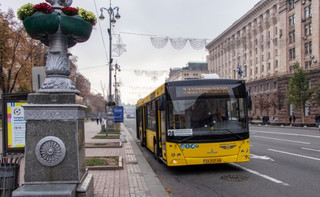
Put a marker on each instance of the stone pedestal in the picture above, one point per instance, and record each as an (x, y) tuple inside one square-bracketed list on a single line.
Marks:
[(55, 147)]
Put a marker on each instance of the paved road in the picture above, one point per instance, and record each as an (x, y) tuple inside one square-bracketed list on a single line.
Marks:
[(284, 162)]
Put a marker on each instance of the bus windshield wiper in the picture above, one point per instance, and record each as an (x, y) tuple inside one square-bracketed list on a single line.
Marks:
[(187, 138), (238, 136)]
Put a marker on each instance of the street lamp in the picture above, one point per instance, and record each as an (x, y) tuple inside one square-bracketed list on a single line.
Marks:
[(112, 20)]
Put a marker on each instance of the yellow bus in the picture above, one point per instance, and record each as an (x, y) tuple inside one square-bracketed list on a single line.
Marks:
[(196, 122)]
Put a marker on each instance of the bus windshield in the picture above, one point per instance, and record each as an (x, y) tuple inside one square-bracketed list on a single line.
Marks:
[(207, 116)]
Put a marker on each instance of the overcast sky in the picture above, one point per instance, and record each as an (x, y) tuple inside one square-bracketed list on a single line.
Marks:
[(201, 19)]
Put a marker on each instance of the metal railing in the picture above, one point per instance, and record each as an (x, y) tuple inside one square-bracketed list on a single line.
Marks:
[(9, 173)]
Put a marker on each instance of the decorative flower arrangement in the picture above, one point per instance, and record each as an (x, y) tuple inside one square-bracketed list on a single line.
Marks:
[(25, 11), (87, 16), (69, 11), (29, 9), (44, 8)]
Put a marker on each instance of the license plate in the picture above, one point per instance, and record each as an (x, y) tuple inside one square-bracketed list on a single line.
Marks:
[(212, 160)]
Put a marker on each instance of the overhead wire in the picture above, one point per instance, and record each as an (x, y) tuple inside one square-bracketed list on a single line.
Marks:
[(101, 33)]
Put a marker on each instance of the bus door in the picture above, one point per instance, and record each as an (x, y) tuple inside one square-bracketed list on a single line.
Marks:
[(162, 128), (158, 129), (143, 126)]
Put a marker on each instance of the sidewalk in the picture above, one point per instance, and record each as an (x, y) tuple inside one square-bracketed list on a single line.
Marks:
[(129, 181)]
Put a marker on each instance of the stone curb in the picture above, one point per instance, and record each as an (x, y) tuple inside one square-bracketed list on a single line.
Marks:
[(119, 167), (94, 145)]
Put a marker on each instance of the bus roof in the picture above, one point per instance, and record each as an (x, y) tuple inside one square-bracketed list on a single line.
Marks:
[(204, 82), (161, 90)]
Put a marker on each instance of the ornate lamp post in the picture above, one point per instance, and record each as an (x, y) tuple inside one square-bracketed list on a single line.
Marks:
[(112, 20), (55, 144)]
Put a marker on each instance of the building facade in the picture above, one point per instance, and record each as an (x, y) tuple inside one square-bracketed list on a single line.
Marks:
[(193, 70), (265, 44)]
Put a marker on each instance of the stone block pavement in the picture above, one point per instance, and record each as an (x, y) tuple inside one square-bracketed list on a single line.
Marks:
[(135, 179)]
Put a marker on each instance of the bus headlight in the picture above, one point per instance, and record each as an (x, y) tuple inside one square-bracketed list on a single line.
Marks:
[(178, 155), (172, 154)]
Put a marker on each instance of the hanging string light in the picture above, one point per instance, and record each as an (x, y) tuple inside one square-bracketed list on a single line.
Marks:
[(118, 47), (159, 42), (179, 43)]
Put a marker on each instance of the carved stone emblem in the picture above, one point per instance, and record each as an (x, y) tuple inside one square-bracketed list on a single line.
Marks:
[(50, 151)]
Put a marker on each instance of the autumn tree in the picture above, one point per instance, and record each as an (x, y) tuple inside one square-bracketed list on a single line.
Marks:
[(262, 104), (278, 101), (299, 90), (18, 54)]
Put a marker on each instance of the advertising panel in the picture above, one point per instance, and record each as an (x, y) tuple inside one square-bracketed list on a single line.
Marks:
[(118, 113), (16, 124)]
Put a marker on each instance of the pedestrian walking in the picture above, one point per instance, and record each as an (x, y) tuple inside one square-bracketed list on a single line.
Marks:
[(97, 119), (293, 118), (100, 120), (290, 119)]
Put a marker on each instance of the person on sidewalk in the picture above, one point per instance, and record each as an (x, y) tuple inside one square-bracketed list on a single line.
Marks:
[(290, 119), (293, 118)]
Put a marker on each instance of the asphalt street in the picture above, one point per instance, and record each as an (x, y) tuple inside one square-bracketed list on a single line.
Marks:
[(285, 161)]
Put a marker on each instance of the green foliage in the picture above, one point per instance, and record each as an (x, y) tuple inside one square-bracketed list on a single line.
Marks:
[(87, 16), (318, 95), (96, 162), (299, 91), (25, 11)]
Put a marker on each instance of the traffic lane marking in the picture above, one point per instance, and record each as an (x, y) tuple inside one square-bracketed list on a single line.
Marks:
[(311, 149), (261, 175), (294, 154), (292, 134), (271, 138), (265, 157)]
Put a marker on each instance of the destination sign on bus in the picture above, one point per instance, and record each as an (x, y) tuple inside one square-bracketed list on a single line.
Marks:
[(184, 91)]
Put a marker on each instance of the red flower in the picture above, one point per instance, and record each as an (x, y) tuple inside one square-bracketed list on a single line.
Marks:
[(44, 7), (69, 11)]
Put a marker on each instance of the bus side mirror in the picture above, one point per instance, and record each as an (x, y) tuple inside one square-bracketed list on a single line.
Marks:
[(162, 102), (249, 101)]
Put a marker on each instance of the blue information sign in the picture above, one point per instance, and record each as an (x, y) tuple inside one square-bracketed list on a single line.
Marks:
[(118, 113)]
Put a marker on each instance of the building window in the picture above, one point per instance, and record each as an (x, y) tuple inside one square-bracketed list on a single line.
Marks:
[(291, 4), (291, 68), (307, 11), (276, 64), (307, 64), (292, 19), (274, 85), (269, 66), (262, 68), (292, 36), (308, 48), (292, 53), (308, 29)]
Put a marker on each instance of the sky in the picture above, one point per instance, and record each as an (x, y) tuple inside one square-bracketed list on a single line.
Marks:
[(194, 19)]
